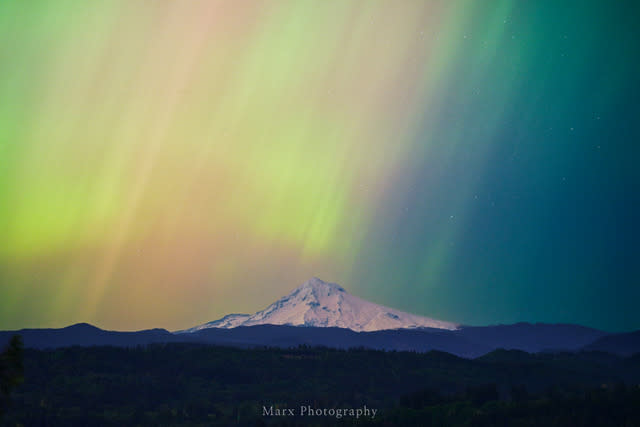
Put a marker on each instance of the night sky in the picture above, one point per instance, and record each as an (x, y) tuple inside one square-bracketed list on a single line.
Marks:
[(163, 164)]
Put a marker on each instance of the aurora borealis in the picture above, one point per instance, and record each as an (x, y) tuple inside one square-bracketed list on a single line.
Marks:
[(165, 163)]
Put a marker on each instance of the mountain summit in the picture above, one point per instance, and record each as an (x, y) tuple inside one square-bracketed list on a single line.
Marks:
[(321, 304)]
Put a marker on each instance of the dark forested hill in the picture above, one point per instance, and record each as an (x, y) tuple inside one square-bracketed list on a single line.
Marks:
[(467, 342), (183, 384), (622, 344)]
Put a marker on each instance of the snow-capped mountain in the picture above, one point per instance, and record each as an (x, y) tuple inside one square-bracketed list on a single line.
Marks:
[(227, 322), (321, 304)]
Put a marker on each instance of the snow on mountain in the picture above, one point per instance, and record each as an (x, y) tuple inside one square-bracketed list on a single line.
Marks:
[(227, 322), (321, 304)]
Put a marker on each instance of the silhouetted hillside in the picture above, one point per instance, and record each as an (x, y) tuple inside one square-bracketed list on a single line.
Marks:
[(622, 344), (194, 384), (467, 342)]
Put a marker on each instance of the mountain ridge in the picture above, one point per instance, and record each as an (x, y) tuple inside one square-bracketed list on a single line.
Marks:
[(319, 313), (465, 342)]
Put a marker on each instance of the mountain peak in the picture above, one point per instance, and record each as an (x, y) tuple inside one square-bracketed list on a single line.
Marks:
[(83, 326), (324, 304), (319, 285)]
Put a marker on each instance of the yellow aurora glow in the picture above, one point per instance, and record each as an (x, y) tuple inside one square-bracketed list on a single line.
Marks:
[(169, 156)]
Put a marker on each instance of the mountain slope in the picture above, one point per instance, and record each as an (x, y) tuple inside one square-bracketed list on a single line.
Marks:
[(228, 321), (624, 344), (531, 337), (321, 304), (85, 335)]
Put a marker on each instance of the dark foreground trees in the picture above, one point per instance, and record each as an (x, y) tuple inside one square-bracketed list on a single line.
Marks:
[(11, 370), (199, 385)]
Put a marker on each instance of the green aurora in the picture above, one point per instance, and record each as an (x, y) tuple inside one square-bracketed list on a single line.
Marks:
[(164, 163)]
